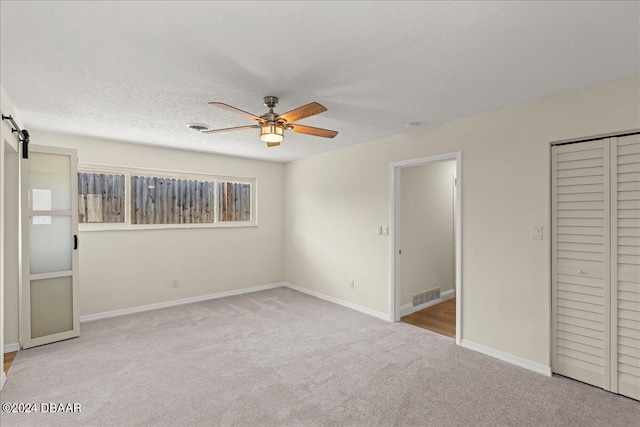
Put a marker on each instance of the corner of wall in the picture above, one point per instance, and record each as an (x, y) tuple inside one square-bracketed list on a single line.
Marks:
[(361, 309)]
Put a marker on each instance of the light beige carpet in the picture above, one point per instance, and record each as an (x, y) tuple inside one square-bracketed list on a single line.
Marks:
[(280, 357)]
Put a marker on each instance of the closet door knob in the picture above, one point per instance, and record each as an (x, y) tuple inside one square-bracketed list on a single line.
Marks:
[(580, 271)]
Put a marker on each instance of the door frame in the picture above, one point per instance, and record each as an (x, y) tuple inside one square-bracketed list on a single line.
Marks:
[(395, 227)]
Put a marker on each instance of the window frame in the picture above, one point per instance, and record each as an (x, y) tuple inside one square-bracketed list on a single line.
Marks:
[(171, 174), (127, 180)]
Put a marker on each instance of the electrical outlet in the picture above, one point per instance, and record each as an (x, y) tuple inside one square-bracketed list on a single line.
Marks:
[(175, 283), (536, 232), (352, 284)]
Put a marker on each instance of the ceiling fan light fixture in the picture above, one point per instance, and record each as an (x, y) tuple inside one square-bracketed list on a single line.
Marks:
[(272, 133), (272, 125)]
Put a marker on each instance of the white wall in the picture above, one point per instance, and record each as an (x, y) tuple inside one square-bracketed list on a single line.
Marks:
[(11, 239), (123, 269), (427, 221), (2, 246), (334, 201), (9, 146)]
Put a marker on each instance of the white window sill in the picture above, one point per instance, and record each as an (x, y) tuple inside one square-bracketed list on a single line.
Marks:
[(129, 227)]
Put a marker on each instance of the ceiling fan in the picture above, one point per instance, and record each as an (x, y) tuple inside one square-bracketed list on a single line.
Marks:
[(273, 125)]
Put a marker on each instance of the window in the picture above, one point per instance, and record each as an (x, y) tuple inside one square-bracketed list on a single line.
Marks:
[(114, 198), (100, 198), (234, 201), (171, 201)]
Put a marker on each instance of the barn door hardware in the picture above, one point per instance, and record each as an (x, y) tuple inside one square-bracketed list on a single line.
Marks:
[(23, 135)]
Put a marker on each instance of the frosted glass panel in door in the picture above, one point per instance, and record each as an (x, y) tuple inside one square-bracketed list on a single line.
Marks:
[(51, 306), (50, 244), (49, 182)]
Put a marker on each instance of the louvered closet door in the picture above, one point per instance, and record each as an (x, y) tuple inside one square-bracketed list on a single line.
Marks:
[(625, 266), (581, 257)]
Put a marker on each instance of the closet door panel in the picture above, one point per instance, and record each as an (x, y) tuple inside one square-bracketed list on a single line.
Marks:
[(581, 257), (625, 268)]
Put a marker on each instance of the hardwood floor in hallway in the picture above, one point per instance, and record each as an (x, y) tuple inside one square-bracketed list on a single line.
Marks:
[(439, 318), (8, 359)]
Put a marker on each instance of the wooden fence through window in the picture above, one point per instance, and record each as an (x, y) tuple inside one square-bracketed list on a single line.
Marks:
[(100, 198), (171, 201), (234, 200)]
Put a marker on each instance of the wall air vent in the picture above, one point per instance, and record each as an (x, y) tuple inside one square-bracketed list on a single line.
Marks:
[(426, 296)]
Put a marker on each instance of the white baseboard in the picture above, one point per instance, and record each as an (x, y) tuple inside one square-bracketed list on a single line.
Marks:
[(141, 308), (3, 379), (338, 301), (409, 308), (509, 358), (506, 357), (10, 348)]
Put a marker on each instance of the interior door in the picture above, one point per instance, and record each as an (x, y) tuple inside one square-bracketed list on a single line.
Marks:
[(49, 288), (580, 262), (625, 265), (596, 263)]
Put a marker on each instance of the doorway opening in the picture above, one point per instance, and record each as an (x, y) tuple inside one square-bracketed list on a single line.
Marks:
[(426, 286)]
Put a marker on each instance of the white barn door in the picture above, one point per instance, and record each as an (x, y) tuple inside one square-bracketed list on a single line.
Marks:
[(49, 288)]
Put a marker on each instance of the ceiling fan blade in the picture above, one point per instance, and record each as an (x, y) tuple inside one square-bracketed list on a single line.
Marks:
[(237, 111), (325, 133), (228, 129), (272, 144), (302, 112)]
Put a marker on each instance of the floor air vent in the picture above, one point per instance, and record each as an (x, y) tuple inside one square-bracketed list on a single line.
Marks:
[(426, 296)]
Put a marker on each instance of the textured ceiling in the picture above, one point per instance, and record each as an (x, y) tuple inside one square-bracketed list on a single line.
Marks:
[(138, 71)]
